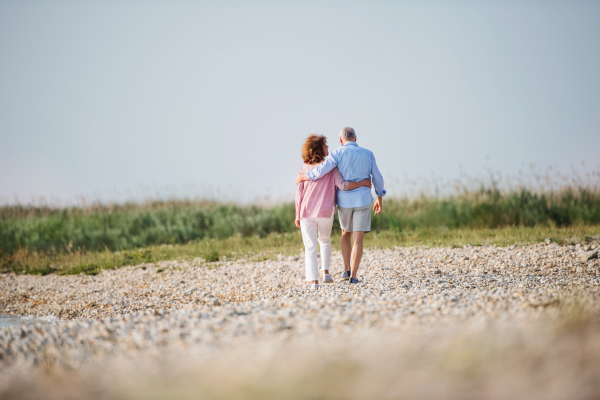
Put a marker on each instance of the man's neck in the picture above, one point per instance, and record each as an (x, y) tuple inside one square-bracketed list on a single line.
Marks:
[(348, 141)]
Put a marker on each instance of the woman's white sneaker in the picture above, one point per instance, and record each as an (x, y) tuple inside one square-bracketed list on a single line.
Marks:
[(327, 278), (314, 286)]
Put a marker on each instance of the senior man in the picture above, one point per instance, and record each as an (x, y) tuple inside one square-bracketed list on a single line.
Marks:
[(354, 206)]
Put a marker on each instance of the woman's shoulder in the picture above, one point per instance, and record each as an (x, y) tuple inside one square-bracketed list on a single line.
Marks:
[(307, 167)]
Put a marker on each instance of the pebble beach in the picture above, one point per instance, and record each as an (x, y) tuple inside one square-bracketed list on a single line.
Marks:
[(244, 319)]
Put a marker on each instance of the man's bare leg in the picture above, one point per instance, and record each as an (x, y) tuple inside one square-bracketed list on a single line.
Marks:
[(357, 251), (346, 245)]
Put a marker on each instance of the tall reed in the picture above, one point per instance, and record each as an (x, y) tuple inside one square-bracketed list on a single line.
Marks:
[(135, 225)]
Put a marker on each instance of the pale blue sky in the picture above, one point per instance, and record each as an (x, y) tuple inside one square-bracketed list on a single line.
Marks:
[(101, 98)]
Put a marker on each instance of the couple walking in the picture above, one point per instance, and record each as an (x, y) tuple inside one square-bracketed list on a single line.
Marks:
[(343, 177)]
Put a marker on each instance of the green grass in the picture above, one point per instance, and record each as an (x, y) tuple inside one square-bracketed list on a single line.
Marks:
[(258, 249), (89, 239), (133, 226)]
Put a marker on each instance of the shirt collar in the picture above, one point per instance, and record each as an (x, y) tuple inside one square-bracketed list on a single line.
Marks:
[(350, 144)]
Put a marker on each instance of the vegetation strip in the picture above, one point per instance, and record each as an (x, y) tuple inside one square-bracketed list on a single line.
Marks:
[(132, 226), (258, 249)]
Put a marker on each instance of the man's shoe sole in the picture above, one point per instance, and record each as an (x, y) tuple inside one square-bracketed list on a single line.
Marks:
[(345, 279)]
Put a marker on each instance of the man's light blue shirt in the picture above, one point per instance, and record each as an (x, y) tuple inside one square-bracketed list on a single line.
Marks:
[(355, 164)]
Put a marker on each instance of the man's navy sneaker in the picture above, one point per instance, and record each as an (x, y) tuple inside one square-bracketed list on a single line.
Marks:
[(353, 280), (346, 275)]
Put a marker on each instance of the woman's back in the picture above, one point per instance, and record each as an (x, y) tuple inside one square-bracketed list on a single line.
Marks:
[(317, 199)]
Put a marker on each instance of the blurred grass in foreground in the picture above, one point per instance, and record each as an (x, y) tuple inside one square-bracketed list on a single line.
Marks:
[(258, 249)]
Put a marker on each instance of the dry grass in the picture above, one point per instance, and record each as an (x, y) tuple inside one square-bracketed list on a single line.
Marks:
[(256, 248)]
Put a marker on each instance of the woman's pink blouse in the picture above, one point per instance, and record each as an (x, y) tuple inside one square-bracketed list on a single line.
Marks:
[(317, 199)]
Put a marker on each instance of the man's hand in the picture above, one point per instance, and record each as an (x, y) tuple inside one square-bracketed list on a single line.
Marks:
[(301, 178), (378, 206), (298, 223)]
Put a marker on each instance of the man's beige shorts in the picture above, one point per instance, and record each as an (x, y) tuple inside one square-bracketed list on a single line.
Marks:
[(355, 219)]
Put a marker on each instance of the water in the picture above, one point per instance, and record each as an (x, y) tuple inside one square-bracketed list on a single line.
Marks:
[(12, 320)]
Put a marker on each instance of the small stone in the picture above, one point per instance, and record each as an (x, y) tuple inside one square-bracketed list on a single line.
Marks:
[(589, 255)]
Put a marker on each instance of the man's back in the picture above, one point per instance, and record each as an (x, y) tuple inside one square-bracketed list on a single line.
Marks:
[(353, 161), (355, 164)]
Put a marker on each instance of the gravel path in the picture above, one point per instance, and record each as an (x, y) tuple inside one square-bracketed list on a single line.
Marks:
[(533, 274), (183, 307)]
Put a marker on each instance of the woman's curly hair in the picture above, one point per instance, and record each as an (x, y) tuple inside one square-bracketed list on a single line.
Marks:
[(313, 151)]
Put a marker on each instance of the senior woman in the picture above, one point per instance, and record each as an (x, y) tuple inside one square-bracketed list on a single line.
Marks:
[(315, 206)]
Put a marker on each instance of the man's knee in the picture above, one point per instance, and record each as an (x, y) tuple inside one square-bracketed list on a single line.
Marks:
[(346, 234), (358, 237)]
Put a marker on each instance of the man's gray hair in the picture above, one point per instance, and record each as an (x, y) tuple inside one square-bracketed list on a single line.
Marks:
[(347, 134)]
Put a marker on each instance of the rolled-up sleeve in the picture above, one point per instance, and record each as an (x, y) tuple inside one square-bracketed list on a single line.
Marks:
[(321, 170), (376, 178)]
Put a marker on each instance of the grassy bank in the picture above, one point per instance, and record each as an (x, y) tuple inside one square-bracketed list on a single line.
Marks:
[(256, 249), (134, 226), (36, 239)]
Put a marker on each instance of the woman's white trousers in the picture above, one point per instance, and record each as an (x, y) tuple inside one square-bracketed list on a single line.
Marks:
[(310, 228)]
